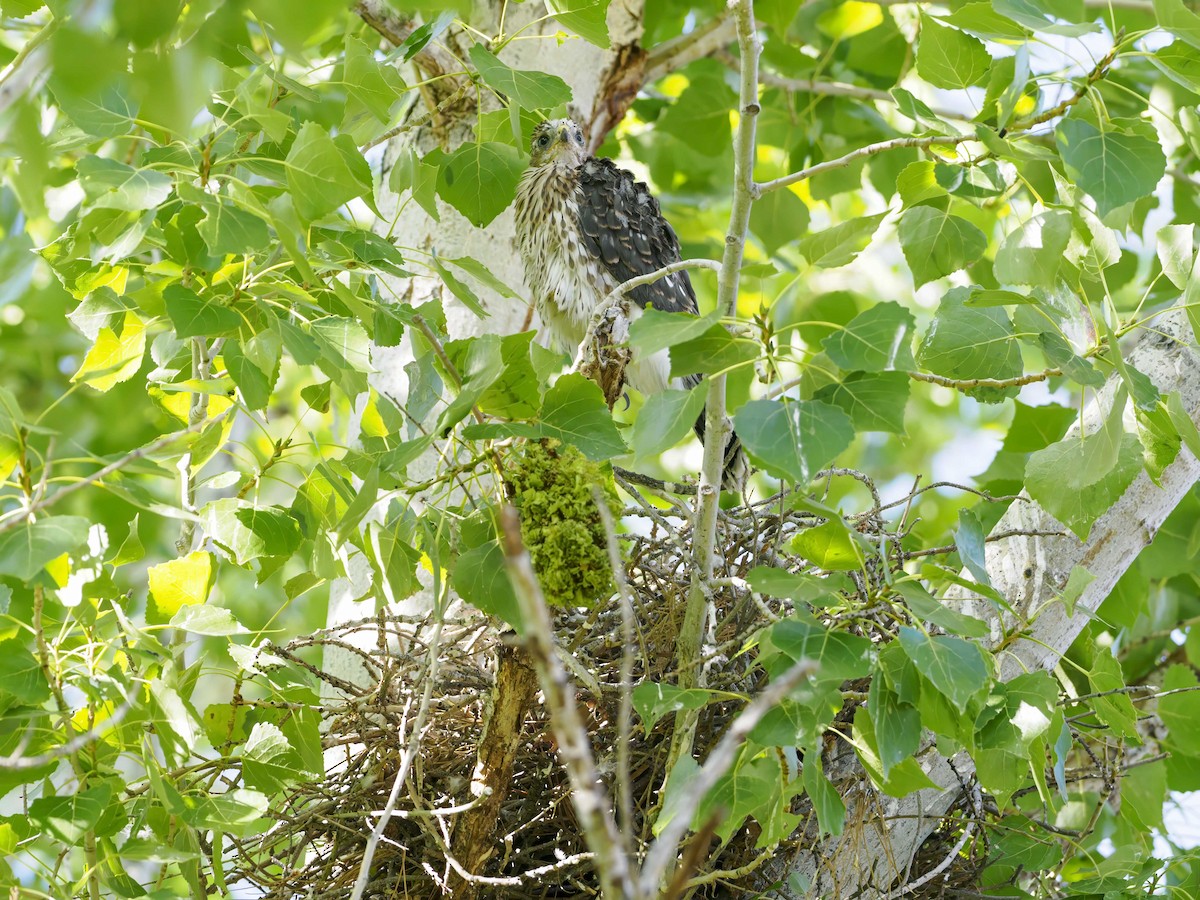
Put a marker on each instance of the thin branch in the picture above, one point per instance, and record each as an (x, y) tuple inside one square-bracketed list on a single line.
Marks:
[(574, 749), (854, 156), (617, 294), (433, 657), (101, 474), (698, 43), (834, 89), (665, 848), (962, 384), (625, 715)]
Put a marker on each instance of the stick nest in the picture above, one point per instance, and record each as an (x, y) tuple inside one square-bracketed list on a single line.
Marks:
[(536, 849)]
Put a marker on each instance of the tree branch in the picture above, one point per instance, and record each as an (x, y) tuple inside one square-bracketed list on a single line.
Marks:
[(698, 43), (665, 848), (1030, 569), (717, 427), (588, 797)]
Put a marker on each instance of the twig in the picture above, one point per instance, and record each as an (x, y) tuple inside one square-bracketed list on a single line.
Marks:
[(664, 849), (433, 657), (100, 474), (696, 44), (574, 749), (625, 714), (617, 294), (963, 384), (854, 156)]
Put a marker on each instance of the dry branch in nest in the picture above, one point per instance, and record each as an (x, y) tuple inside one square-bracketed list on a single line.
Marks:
[(484, 809)]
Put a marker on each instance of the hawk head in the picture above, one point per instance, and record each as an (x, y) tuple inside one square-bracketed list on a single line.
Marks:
[(557, 142)]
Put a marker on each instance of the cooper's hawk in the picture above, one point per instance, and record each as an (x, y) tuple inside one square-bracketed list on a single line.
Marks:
[(585, 226)]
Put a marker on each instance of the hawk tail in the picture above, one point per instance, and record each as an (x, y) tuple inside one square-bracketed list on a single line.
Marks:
[(736, 468)]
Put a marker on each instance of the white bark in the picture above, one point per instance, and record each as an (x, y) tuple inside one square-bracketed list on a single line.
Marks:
[(883, 834)]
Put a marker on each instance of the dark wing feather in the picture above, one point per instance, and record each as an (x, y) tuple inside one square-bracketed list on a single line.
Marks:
[(621, 226)]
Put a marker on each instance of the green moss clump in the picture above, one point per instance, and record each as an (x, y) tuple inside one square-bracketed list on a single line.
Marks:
[(551, 486)]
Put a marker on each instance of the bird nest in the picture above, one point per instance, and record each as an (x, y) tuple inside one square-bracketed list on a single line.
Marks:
[(531, 845)]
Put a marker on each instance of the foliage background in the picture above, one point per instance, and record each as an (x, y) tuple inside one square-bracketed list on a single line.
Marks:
[(191, 248)]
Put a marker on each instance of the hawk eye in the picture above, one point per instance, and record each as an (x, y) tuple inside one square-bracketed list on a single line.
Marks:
[(579, 137), (543, 140)]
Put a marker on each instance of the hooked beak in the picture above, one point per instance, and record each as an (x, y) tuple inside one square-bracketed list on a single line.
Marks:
[(564, 134)]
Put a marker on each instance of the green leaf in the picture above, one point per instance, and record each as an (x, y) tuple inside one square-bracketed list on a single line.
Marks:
[(323, 174), (902, 779), (840, 244), (928, 608), (814, 589), (413, 173), (665, 419), (1175, 16), (1176, 250), (655, 330), (831, 546), (181, 582), (826, 801), (1033, 252), (878, 339), (194, 316), (793, 439), (574, 412), (114, 359), (26, 550), (372, 87), (1048, 15), (215, 621), (874, 401), (479, 363), (778, 218), (275, 526), (936, 244), (530, 89), (838, 655), (1116, 709), (465, 295), (109, 184), (587, 18), (982, 19), (480, 180), (970, 541), (947, 58), (954, 666), (897, 725), (477, 270), (653, 701), (920, 113), (479, 577), (1159, 438), (716, 350), (238, 812), (70, 818), (21, 674), (965, 343), (1114, 167), (1180, 63), (1063, 477), (254, 383)]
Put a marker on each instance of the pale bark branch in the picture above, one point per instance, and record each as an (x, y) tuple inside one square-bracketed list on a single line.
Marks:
[(1030, 569), (716, 424), (665, 848), (588, 796), (698, 43)]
